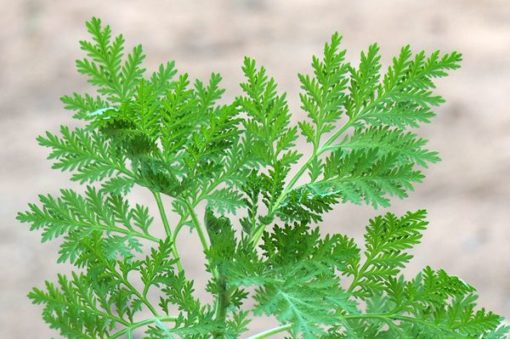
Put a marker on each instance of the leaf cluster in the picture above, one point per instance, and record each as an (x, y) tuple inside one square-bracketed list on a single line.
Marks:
[(234, 176)]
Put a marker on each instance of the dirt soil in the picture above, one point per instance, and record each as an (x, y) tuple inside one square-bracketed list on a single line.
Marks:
[(467, 194)]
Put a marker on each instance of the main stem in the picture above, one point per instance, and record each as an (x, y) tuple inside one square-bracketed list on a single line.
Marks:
[(222, 300), (168, 230), (128, 330), (202, 231), (221, 303), (270, 332)]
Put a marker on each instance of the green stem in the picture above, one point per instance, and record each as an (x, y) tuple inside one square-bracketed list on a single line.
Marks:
[(142, 298), (222, 303), (202, 231), (168, 230), (260, 230), (179, 226), (334, 137), (370, 316), (122, 278), (142, 323), (359, 274), (201, 197), (195, 202), (109, 228), (107, 315), (270, 332), (162, 212), (223, 295), (133, 289)]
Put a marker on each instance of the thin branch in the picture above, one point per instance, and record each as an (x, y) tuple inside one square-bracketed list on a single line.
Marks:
[(270, 332), (168, 230), (133, 326), (202, 231), (162, 212), (133, 289)]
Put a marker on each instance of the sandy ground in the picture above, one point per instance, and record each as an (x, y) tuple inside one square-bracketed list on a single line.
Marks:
[(467, 194)]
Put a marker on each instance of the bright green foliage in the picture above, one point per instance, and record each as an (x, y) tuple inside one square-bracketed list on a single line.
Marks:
[(324, 94), (386, 240), (431, 305), (269, 136), (86, 153), (106, 217), (296, 270), (179, 140), (379, 158)]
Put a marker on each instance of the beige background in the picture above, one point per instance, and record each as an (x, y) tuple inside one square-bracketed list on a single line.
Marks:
[(467, 195)]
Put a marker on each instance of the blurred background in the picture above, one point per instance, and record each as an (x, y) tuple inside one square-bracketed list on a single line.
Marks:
[(467, 194)]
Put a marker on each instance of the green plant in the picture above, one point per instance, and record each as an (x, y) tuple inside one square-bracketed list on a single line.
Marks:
[(227, 169)]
